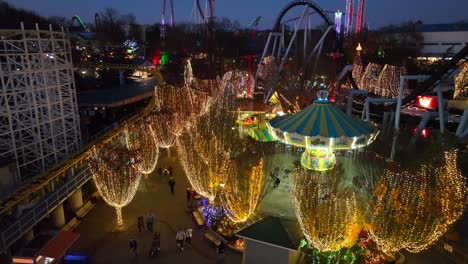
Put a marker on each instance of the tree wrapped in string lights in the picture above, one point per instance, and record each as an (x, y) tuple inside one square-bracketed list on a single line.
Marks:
[(461, 84), (358, 69), (165, 127), (195, 168), (141, 136), (242, 192), (412, 210), (369, 79), (327, 209), (203, 93), (116, 173), (388, 83), (205, 149)]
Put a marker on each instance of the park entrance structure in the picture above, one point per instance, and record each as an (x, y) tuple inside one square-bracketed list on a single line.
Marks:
[(321, 128)]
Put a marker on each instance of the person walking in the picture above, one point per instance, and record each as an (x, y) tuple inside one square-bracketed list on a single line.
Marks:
[(277, 182), (141, 225), (133, 245), (188, 237), (171, 170), (180, 236), (172, 184), (160, 171), (157, 239), (149, 221), (221, 251)]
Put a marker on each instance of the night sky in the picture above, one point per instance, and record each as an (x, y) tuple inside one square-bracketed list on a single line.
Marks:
[(379, 12)]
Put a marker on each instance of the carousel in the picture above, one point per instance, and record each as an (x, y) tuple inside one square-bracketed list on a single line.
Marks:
[(321, 128)]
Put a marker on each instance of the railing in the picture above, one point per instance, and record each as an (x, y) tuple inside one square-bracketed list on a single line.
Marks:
[(32, 216)]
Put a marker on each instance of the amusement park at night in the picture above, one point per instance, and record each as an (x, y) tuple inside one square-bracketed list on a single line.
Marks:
[(255, 132)]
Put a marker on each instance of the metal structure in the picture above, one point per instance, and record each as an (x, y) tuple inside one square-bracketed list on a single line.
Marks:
[(348, 17), (360, 16), (39, 121), (163, 18), (277, 41)]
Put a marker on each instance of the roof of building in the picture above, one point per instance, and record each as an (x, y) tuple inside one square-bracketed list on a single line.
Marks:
[(117, 95), (442, 27), (275, 231)]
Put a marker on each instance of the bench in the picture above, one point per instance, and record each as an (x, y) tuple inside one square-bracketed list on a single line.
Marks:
[(84, 209), (199, 218), (71, 225), (214, 237)]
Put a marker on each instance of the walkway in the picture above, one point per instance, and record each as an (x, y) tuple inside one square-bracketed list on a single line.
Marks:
[(107, 245)]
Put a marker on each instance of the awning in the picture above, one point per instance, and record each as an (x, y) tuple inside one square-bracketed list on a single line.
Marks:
[(261, 135), (58, 246)]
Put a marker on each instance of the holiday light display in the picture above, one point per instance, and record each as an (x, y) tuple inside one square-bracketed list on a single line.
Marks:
[(174, 100), (140, 136), (203, 93), (461, 84), (116, 174), (370, 77), (327, 210), (236, 82), (165, 127), (241, 193), (388, 82), (358, 69), (205, 149), (413, 209)]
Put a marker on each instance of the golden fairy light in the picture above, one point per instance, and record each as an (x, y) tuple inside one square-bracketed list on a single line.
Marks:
[(205, 149), (141, 136), (242, 192), (358, 69), (326, 209), (412, 210), (388, 82), (461, 84), (116, 174), (369, 79), (165, 127)]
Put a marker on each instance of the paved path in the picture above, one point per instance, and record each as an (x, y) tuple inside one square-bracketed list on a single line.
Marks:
[(99, 237)]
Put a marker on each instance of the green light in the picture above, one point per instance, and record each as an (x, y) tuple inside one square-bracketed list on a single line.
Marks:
[(129, 51), (164, 58)]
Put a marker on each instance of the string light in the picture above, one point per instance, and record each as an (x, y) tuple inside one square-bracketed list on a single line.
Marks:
[(241, 193), (388, 83), (370, 77), (461, 84), (326, 209), (412, 210), (165, 127), (205, 149), (116, 174), (140, 136), (358, 69)]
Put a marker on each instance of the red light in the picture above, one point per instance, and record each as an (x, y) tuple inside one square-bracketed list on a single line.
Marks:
[(427, 102), (424, 132)]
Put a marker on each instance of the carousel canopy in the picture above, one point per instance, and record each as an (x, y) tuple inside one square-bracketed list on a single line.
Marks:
[(321, 123), (261, 135)]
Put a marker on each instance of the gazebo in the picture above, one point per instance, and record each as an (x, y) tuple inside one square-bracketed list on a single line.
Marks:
[(321, 128)]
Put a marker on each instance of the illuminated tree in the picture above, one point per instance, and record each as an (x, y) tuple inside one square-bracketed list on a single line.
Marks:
[(358, 69), (116, 174), (140, 136), (369, 79), (461, 84), (165, 127), (205, 149), (413, 209), (242, 192), (326, 209), (388, 83), (195, 168)]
